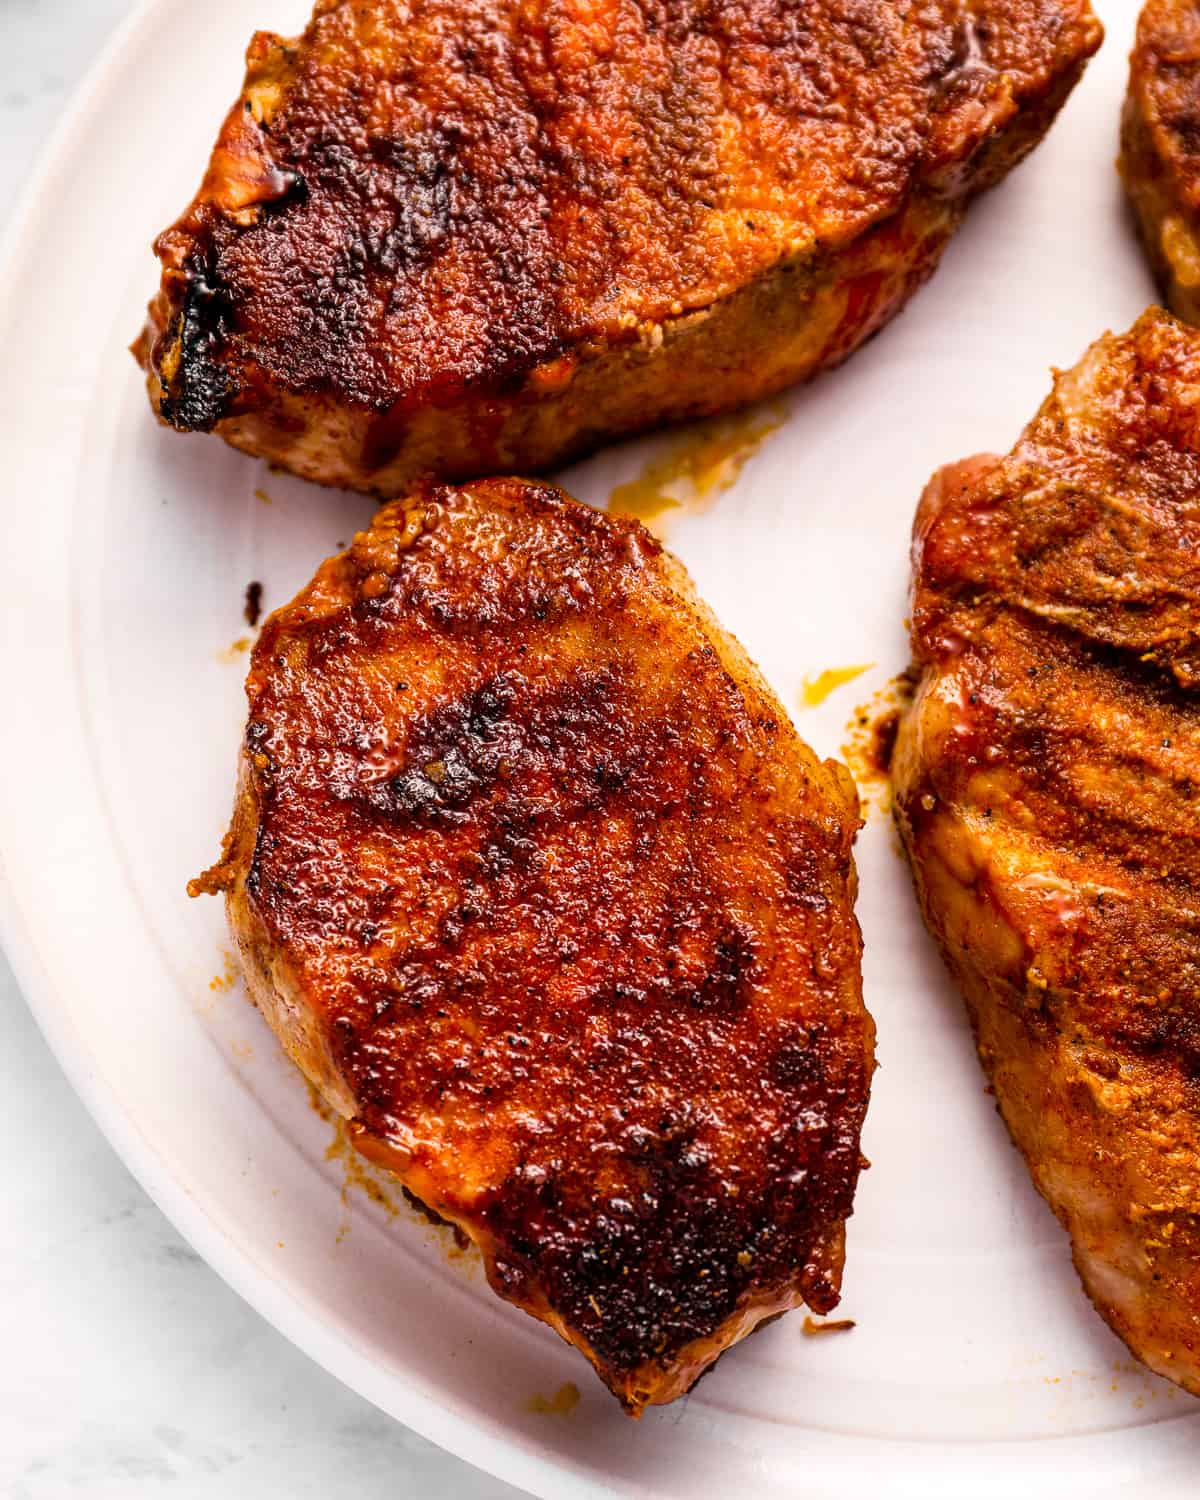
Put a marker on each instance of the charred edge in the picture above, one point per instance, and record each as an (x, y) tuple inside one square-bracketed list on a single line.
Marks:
[(254, 746), (646, 1273), (293, 193), (199, 391), (637, 1290), (461, 1239)]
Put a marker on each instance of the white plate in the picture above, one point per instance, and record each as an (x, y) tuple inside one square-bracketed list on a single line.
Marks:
[(976, 1366)]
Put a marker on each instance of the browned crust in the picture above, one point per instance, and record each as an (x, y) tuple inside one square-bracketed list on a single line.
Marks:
[(1160, 148), (538, 885), (437, 269), (1045, 785)]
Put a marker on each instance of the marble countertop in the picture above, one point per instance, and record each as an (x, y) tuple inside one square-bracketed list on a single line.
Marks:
[(132, 1371)]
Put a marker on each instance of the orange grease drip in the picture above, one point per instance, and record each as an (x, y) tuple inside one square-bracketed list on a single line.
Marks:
[(234, 650), (811, 1328), (228, 978), (561, 1404), (698, 466), (815, 689)]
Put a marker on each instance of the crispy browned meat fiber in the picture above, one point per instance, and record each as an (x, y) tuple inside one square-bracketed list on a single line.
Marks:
[(1160, 147), (1048, 792), (455, 237), (538, 885)]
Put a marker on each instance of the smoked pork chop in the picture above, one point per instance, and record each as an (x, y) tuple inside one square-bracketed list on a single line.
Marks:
[(1160, 147), (538, 885), (1048, 791), (462, 237)]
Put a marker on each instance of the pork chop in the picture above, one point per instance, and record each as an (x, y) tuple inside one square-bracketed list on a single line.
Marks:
[(538, 885), (1048, 796), (1160, 148), (461, 237)]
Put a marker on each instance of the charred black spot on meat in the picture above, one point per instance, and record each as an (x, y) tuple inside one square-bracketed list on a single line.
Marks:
[(795, 1064), (289, 189), (730, 976), (1186, 130), (492, 754), (606, 1267), (419, 188), (431, 795), (257, 736), (199, 391)]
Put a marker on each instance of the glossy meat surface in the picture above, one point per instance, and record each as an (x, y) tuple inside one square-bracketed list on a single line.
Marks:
[(537, 883), (461, 236), (1160, 147), (1046, 781)]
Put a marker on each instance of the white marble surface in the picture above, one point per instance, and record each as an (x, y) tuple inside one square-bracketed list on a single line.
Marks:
[(130, 1370)]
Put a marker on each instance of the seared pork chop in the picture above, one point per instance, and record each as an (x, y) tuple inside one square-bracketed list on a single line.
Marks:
[(1160, 147), (540, 888), (1046, 789), (461, 237)]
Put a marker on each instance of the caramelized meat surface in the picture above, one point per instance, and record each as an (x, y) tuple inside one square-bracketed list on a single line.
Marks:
[(457, 237), (1048, 794), (1160, 147), (538, 885)]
